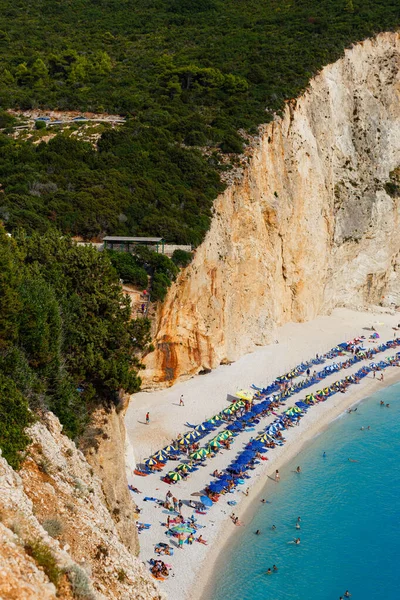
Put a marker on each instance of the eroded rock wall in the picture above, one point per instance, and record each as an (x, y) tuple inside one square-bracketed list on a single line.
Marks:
[(57, 537), (307, 227)]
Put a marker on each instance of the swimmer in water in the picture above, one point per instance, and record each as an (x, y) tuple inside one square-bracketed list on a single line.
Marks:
[(258, 532), (362, 429), (275, 569), (298, 470), (324, 455), (347, 594), (387, 405), (263, 501), (297, 526), (273, 528), (351, 460), (269, 572), (297, 541), (298, 519)]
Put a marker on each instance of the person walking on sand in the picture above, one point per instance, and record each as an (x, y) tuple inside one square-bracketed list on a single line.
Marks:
[(277, 476), (181, 402), (147, 418), (381, 377)]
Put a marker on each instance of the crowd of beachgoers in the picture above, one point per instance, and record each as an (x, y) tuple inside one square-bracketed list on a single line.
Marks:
[(183, 522)]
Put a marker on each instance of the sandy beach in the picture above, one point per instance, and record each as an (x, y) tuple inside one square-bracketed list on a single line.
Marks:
[(206, 395)]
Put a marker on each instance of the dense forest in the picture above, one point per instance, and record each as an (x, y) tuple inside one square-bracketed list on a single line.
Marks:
[(67, 342), (187, 73)]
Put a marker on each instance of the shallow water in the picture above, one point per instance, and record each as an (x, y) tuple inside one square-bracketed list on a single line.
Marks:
[(349, 518)]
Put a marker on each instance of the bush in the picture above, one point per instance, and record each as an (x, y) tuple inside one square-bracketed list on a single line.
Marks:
[(43, 556), (181, 258), (40, 125), (54, 527), (128, 269), (80, 583)]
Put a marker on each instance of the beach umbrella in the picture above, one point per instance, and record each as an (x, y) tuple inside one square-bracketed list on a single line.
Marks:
[(183, 442), (200, 427), (228, 411), (224, 435), (174, 476), (199, 454), (170, 449), (161, 455), (192, 435), (206, 501), (245, 395), (214, 444), (181, 467), (150, 462)]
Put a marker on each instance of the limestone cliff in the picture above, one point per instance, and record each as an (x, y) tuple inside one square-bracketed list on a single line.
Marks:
[(307, 227), (57, 537)]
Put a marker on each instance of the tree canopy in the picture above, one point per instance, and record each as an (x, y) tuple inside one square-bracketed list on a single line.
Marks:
[(67, 341), (188, 74)]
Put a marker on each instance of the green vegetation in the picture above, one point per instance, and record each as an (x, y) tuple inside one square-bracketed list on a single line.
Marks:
[(181, 258), (44, 557), (185, 72), (66, 339)]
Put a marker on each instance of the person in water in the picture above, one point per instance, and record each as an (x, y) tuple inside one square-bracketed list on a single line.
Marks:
[(347, 594), (297, 541), (273, 528), (297, 525), (324, 455), (277, 475), (275, 569), (269, 572), (298, 470), (258, 532), (263, 501), (351, 460), (298, 519)]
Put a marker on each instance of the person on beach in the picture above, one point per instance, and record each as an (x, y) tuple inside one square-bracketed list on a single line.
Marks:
[(277, 475), (381, 377), (246, 492), (180, 541), (147, 418), (298, 470), (180, 504), (181, 403)]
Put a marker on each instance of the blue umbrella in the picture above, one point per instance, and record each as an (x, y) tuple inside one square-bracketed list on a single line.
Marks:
[(206, 501)]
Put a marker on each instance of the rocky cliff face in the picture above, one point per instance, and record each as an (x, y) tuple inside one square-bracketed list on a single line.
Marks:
[(57, 537), (307, 227)]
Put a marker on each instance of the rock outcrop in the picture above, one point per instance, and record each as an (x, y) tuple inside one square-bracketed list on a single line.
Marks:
[(57, 537), (308, 227)]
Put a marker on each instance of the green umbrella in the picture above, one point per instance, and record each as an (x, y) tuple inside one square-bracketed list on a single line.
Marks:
[(174, 476), (181, 467), (199, 454), (214, 444)]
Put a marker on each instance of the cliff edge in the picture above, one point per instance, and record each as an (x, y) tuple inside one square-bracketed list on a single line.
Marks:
[(308, 226)]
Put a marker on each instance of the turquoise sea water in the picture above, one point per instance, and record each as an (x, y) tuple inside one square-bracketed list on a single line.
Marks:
[(350, 516)]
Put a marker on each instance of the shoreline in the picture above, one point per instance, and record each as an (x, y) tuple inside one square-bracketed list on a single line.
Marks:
[(205, 579), (194, 568)]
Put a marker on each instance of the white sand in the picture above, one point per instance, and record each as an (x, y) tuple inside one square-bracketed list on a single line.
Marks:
[(206, 395)]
